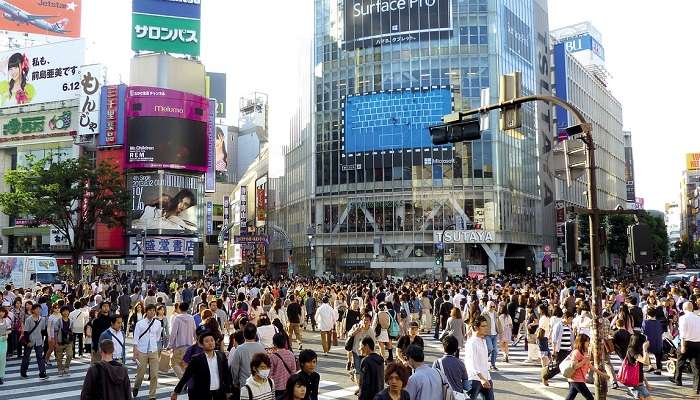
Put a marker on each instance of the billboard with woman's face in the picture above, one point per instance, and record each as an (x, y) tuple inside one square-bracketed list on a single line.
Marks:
[(168, 203)]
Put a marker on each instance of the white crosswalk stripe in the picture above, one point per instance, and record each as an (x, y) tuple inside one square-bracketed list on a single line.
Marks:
[(68, 388), (527, 373)]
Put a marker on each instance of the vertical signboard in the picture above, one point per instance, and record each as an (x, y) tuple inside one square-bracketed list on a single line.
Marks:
[(244, 210), (227, 207), (560, 87), (112, 103), (210, 175), (92, 77), (210, 218)]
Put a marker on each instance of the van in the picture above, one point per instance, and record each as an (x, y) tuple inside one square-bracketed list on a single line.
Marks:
[(28, 271)]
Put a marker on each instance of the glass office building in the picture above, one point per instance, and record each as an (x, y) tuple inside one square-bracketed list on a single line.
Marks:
[(383, 194)]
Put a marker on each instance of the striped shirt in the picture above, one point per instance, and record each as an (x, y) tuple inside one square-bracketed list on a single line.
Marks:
[(565, 337)]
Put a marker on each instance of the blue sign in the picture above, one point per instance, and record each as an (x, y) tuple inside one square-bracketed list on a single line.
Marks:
[(560, 88), (171, 8), (584, 42), (112, 109), (393, 119)]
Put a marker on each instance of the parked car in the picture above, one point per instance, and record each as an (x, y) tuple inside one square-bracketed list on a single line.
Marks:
[(673, 278)]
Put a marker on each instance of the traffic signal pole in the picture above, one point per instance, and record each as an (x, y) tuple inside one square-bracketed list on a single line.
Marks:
[(601, 385)]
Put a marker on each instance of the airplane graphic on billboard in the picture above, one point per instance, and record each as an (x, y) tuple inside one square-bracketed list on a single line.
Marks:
[(19, 16)]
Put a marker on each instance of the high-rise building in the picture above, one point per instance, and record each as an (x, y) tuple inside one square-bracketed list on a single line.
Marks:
[(580, 80), (383, 194), (690, 199), (629, 171)]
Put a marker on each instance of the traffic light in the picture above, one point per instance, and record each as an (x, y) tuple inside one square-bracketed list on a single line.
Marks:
[(462, 131), (510, 87), (440, 257)]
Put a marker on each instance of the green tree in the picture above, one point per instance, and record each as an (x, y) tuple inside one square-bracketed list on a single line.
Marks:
[(71, 195), (616, 228), (659, 235)]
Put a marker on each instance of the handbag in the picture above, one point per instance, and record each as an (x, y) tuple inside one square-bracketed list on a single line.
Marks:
[(24, 340), (567, 367), (455, 395), (628, 374), (164, 363), (349, 343)]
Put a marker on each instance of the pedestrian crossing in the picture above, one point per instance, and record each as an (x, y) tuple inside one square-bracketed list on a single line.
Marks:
[(527, 373), (69, 387)]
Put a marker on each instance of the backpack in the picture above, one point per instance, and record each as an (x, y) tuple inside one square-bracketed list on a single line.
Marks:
[(394, 330)]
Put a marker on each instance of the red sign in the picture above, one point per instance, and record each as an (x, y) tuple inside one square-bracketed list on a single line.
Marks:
[(43, 17)]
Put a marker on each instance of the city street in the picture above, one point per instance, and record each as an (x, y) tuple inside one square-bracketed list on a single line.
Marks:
[(515, 380)]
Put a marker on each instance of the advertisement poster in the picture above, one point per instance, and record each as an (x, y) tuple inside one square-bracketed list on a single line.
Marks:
[(378, 22), (92, 77), (166, 129), (692, 161), (166, 26), (41, 74), (112, 111), (222, 150), (216, 89), (244, 210), (167, 202), (55, 17)]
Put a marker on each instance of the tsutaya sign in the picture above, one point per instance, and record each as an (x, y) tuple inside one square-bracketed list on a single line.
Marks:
[(475, 236)]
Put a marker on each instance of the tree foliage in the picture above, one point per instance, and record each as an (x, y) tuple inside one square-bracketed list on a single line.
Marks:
[(616, 228), (72, 195)]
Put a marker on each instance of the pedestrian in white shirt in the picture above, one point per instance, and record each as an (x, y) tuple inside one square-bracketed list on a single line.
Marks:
[(477, 360), (79, 317), (326, 316), (146, 339), (689, 332)]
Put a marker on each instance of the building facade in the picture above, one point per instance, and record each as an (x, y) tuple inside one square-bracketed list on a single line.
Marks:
[(580, 79), (629, 171), (672, 218), (690, 199), (383, 194)]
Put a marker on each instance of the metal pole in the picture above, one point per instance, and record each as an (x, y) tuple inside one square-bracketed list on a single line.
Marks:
[(601, 385)]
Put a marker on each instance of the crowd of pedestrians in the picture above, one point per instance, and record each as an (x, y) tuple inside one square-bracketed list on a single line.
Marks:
[(242, 336)]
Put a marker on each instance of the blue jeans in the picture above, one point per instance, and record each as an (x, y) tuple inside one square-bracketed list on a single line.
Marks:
[(39, 351), (492, 345), (477, 389), (579, 387)]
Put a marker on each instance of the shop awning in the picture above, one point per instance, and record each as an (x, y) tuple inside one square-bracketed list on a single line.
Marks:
[(26, 231)]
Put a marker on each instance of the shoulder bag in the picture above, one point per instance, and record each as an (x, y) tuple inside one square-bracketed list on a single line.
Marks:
[(24, 340)]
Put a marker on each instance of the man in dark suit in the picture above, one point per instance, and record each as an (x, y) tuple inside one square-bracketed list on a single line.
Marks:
[(205, 369)]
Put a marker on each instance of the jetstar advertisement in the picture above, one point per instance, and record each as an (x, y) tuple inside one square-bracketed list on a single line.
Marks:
[(41, 74), (42, 17), (379, 22), (169, 203), (166, 129)]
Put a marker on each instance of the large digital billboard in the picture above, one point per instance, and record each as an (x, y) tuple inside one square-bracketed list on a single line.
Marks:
[(166, 129), (41, 74), (393, 119), (166, 202), (55, 17), (377, 22)]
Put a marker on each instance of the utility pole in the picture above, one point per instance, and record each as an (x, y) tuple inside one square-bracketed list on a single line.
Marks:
[(461, 126)]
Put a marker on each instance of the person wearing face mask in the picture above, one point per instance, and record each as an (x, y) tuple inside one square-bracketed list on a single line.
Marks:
[(209, 372), (259, 386)]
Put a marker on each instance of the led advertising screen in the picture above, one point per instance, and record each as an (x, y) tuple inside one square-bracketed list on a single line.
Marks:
[(393, 119), (378, 22), (168, 203), (166, 129), (56, 17)]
